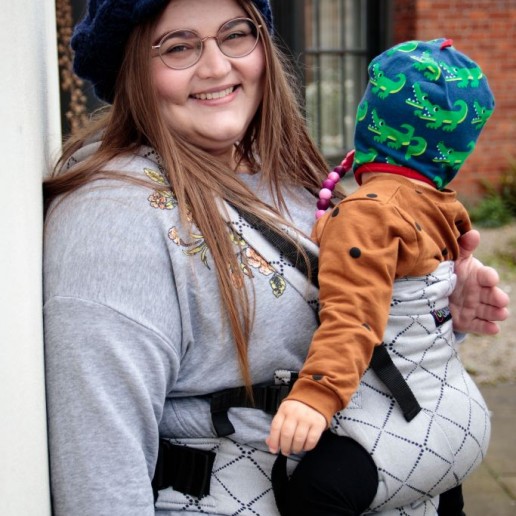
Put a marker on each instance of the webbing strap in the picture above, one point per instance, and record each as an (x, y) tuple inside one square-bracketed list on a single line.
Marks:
[(265, 397), (279, 481), (389, 374), (187, 470)]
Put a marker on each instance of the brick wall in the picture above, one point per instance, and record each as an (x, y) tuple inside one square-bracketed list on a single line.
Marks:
[(486, 31)]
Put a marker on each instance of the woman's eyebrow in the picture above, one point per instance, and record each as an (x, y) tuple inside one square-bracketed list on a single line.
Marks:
[(181, 33)]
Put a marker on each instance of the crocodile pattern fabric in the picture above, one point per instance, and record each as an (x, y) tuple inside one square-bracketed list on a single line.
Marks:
[(424, 108)]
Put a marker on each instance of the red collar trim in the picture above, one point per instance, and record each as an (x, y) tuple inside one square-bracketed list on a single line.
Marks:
[(391, 169)]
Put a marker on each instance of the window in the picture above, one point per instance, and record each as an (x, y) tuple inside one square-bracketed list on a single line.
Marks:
[(331, 55), (77, 96)]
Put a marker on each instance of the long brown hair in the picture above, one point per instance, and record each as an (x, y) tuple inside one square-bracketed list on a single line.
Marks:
[(277, 137)]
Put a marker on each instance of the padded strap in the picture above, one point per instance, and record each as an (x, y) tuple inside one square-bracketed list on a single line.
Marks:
[(285, 246)]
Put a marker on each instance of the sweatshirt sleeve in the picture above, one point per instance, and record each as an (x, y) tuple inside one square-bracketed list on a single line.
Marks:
[(364, 246), (106, 384)]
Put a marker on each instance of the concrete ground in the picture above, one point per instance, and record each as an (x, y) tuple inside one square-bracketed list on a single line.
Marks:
[(491, 489)]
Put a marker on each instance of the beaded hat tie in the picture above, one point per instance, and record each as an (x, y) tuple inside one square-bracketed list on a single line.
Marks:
[(328, 185)]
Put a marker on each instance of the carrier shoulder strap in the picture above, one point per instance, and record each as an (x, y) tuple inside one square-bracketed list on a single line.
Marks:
[(287, 248), (189, 470)]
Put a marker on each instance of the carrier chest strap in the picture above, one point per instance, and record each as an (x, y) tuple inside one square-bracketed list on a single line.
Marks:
[(265, 397)]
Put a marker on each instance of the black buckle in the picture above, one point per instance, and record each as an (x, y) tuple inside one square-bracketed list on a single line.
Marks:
[(269, 398), (187, 470)]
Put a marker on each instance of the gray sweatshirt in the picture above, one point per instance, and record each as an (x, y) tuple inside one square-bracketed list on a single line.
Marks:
[(134, 334)]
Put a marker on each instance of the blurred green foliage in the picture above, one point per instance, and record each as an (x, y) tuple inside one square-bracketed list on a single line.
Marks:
[(498, 206)]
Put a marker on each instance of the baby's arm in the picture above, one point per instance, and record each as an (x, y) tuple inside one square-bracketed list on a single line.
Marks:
[(355, 293)]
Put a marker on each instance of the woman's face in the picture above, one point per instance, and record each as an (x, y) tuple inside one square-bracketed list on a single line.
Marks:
[(212, 102)]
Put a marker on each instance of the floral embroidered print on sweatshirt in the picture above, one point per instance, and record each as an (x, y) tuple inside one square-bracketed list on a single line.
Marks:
[(163, 198)]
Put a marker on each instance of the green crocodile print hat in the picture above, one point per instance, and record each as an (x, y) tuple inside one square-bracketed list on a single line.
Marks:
[(423, 109)]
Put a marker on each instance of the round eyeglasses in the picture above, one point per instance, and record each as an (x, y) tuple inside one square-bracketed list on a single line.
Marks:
[(182, 48)]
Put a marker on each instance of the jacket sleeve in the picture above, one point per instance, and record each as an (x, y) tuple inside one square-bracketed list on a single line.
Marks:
[(364, 246)]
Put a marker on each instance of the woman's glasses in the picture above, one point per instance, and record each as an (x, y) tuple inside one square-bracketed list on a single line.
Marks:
[(181, 49)]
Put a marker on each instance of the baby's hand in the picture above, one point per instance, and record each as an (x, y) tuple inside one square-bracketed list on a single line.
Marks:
[(296, 427)]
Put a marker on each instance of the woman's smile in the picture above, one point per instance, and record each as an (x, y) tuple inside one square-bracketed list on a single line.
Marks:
[(218, 94)]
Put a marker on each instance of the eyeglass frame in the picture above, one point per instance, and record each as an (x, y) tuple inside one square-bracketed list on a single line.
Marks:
[(202, 40)]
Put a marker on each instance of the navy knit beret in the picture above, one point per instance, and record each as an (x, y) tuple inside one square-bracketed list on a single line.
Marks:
[(423, 109), (99, 39)]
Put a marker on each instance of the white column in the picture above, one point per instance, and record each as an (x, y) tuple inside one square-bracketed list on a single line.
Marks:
[(29, 139)]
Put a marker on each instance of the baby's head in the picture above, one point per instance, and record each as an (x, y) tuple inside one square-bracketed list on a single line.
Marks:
[(423, 109)]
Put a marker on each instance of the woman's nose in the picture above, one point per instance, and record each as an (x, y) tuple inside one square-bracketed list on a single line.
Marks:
[(213, 63)]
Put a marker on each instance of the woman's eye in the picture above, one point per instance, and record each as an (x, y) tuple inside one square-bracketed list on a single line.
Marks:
[(176, 48), (235, 35)]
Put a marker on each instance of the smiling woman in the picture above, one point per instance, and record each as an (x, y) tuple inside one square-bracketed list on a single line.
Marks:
[(165, 303)]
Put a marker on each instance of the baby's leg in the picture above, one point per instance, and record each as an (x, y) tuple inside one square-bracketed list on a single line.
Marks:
[(338, 477), (451, 503)]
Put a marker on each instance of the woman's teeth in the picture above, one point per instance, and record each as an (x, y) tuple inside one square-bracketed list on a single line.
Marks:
[(214, 95)]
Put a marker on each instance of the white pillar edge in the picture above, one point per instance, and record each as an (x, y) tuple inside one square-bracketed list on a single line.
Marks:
[(30, 136)]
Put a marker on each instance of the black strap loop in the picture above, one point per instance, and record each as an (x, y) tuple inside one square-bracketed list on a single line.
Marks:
[(220, 402), (389, 374), (185, 469)]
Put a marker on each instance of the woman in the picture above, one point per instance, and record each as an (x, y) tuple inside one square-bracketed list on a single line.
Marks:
[(160, 289)]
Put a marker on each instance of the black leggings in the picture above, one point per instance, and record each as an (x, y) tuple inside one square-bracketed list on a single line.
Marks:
[(451, 502), (339, 478)]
